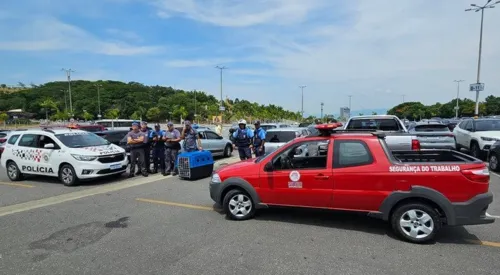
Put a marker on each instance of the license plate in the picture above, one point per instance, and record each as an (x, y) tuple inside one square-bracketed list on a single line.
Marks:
[(115, 166)]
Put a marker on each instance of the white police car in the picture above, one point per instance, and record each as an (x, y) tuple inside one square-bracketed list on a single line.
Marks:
[(67, 154)]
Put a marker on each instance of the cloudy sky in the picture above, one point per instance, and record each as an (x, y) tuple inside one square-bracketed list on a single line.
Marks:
[(375, 51)]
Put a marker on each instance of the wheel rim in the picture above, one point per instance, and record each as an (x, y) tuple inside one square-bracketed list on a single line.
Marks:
[(493, 162), (416, 224), (12, 171), (474, 150), (67, 175), (240, 205)]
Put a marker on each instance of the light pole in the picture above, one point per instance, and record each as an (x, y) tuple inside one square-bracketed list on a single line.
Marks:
[(322, 104), (403, 97), (65, 101), (302, 109), (350, 99), (68, 75), (195, 105), (477, 8), (98, 86), (221, 107), (458, 95)]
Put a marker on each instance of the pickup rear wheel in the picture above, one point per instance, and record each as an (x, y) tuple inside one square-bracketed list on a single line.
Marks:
[(416, 222), (238, 205)]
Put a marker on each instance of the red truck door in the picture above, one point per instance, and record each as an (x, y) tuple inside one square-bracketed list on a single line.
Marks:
[(302, 175), (359, 184)]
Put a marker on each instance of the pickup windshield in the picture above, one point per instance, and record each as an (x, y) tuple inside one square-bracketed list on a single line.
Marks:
[(488, 125), (382, 124), (81, 139)]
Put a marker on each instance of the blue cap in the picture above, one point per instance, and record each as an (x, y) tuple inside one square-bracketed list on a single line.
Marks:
[(135, 123), (170, 123)]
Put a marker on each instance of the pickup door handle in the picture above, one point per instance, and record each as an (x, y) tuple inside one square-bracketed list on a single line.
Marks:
[(321, 177)]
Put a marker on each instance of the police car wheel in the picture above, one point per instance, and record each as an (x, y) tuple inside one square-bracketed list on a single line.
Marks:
[(416, 222), (238, 205), (67, 175), (228, 150), (13, 171)]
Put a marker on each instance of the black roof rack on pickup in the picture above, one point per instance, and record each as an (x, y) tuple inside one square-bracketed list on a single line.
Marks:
[(326, 130)]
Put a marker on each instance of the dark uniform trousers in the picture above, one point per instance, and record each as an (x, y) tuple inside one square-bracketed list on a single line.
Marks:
[(137, 158), (245, 152), (170, 158), (258, 151), (159, 158)]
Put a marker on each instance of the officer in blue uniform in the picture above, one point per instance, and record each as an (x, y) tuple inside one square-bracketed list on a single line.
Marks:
[(259, 139), (243, 140), (191, 139), (158, 145)]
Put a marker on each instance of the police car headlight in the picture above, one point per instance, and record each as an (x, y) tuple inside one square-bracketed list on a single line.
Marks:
[(84, 158), (216, 178)]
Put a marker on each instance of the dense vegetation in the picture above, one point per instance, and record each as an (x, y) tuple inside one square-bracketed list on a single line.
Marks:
[(131, 100), (417, 110)]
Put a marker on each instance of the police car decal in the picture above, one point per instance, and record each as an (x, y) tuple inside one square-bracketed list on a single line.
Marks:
[(28, 154), (37, 169), (103, 150)]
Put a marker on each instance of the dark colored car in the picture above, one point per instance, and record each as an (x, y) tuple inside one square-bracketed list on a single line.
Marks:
[(493, 156), (113, 136)]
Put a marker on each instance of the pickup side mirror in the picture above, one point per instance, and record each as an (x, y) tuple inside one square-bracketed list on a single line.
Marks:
[(49, 146), (268, 167), (219, 137)]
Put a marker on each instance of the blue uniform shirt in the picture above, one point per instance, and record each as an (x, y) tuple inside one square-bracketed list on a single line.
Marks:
[(261, 133), (248, 132), (159, 134)]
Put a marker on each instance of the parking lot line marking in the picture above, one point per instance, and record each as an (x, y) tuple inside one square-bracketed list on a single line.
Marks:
[(485, 243), (26, 206), (17, 184), (192, 206)]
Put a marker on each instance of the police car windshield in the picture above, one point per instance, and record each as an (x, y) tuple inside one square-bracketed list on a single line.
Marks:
[(79, 140)]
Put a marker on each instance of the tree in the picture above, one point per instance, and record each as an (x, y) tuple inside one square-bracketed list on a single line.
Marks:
[(60, 116), (87, 116), (374, 113), (112, 113), (3, 118), (153, 114), (135, 116), (180, 112), (48, 105)]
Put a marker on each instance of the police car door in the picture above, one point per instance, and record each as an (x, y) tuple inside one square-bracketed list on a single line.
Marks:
[(50, 154), (31, 158)]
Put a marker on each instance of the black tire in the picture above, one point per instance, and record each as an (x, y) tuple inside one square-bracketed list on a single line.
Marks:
[(493, 162), (245, 208), (13, 172), (67, 175), (228, 150), (416, 224), (475, 151)]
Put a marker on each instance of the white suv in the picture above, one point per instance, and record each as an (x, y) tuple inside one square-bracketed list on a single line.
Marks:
[(477, 135), (67, 154)]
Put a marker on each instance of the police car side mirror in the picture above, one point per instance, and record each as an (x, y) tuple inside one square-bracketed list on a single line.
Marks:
[(49, 146), (268, 167)]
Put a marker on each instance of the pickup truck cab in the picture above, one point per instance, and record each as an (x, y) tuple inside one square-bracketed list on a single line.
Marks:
[(418, 192), (397, 136)]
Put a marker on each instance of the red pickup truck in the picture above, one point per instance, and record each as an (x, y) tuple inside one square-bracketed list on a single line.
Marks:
[(418, 192)]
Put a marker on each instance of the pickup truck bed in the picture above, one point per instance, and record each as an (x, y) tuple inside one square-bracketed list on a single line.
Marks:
[(433, 156)]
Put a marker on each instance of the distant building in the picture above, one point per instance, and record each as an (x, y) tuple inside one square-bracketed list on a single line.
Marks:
[(345, 112)]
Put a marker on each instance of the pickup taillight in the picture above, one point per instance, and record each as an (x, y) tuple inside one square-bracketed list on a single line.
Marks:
[(481, 175), (415, 144)]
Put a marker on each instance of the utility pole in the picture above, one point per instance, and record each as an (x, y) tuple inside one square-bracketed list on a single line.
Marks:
[(322, 104), (99, 115), (477, 8), (302, 109), (403, 96), (68, 75), (65, 101), (350, 99), (221, 107), (458, 95), (195, 105)]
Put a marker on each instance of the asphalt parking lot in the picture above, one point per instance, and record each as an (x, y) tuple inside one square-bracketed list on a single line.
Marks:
[(163, 225)]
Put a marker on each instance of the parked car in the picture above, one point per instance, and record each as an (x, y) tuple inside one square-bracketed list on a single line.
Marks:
[(113, 136), (417, 192), (89, 128), (494, 157), (433, 136), (397, 136), (277, 137), (477, 135), (268, 126)]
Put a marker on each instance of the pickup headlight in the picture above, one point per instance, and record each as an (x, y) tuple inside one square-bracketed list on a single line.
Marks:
[(489, 139), (216, 178), (83, 158)]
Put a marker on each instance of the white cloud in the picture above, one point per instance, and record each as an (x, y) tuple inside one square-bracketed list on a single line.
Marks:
[(129, 35), (197, 63), (50, 34)]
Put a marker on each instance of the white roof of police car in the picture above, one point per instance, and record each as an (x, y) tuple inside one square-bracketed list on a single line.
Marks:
[(51, 131)]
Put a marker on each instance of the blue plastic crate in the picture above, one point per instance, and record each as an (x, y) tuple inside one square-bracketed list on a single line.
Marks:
[(195, 165)]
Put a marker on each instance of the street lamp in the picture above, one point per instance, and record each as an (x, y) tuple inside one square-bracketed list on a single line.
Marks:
[(477, 8), (302, 109), (68, 75), (65, 101), (322, 104), (221, 107), (99, 86), (458, 94)]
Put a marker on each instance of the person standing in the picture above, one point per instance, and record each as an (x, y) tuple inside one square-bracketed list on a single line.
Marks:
[(218, 129), (135, 139), (191, 139), (259, 140), (158, 145), (146, 147), (243, 140), (172, 138)]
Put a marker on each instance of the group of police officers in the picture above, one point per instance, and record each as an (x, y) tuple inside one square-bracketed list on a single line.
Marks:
[(165, 145)]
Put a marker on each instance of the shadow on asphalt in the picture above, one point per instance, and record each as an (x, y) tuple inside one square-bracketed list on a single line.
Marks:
[(351, 221)]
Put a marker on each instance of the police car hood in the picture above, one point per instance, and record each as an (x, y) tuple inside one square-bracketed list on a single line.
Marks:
[(98, 150)]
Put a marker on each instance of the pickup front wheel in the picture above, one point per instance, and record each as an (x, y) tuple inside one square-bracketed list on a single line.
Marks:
[(238, 205), (415, 222)]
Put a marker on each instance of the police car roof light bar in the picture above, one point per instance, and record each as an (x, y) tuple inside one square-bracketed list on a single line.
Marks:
[(330, 128)]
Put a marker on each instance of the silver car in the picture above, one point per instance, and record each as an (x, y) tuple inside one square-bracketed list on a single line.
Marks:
[(278, 137), (269, 126), (432, 135), (211, 141)]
